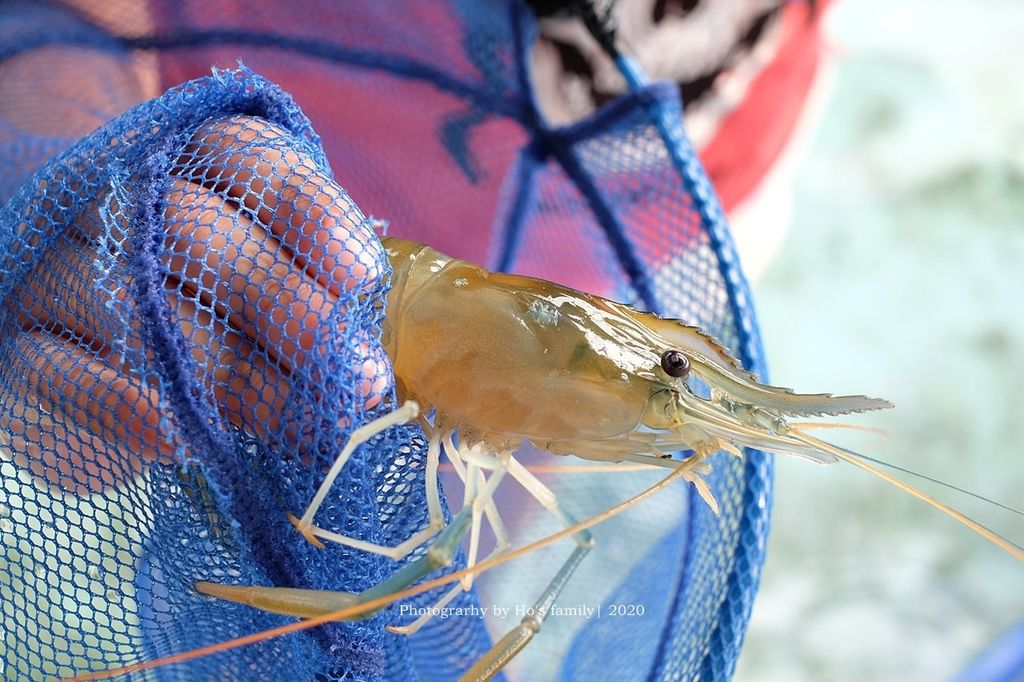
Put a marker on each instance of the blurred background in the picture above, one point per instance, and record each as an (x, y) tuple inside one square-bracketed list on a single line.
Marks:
[(885, 248), (901, 276)]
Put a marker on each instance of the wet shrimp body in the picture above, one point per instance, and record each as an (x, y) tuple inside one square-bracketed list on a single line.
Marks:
[(505, 356), (503, 359)]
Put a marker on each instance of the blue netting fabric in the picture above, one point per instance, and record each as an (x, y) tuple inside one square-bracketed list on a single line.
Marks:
[(190, 311)]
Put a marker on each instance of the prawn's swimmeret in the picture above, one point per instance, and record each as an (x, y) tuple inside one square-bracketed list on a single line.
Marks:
[(503, 360)]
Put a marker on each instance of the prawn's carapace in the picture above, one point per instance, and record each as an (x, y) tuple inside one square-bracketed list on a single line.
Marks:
[(512, 359), (502, 360)]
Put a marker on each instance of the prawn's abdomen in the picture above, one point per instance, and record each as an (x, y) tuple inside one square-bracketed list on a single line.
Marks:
[(500, 353)]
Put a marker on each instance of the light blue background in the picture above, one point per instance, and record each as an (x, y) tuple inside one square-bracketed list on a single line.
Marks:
[(902, 277)]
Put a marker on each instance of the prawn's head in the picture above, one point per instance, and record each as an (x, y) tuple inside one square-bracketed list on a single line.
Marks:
[(701, 398)]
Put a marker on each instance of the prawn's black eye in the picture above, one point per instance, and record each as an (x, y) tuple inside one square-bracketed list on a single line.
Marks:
[(675, 363)]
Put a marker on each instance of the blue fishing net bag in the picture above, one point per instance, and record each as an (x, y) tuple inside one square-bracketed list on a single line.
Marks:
[(190, 319)]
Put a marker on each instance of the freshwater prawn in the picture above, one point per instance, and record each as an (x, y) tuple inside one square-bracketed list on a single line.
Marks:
[(503, 360)]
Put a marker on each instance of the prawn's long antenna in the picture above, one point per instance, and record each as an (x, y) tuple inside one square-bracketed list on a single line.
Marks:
[(838, 425), (572, 468), (926, 477), (857, 460), (380, 602)]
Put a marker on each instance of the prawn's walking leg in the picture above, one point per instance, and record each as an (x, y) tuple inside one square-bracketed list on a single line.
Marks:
[(306, 603), (480, 500), (547, 498), (408, 411), (311, 603), (505, 649), (483, 501)]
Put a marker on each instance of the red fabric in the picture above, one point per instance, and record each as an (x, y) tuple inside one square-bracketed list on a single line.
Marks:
[(751, 137)]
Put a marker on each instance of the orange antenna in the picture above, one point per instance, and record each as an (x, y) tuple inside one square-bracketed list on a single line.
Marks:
[(1003, 543)]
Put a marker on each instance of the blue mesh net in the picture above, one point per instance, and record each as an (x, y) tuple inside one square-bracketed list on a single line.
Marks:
[(190, 330)]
